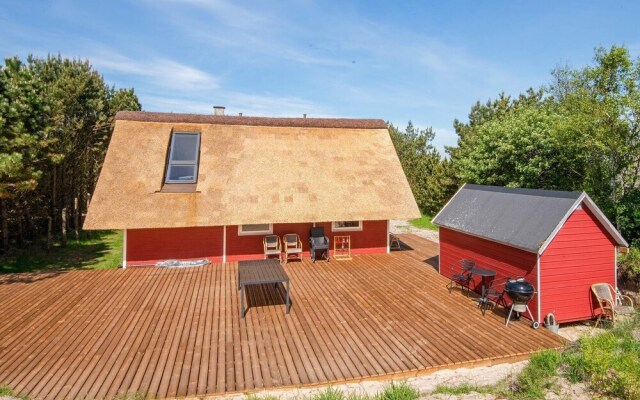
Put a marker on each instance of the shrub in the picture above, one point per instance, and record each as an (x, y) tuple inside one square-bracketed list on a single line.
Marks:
[(629, 268), (399, 391), (611, 361), (537, 377)]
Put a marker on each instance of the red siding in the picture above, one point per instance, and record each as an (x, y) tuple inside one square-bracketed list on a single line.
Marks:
[(506, 261), (582, 253), (148, 246), (372, 239)]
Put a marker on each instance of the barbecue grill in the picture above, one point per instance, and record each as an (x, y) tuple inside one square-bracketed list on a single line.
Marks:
[(318, 242), (520, 292)]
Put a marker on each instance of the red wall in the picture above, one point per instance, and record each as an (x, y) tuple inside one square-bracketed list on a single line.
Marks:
[(506, 261), (372, 239), (148, 246), (581, 254)]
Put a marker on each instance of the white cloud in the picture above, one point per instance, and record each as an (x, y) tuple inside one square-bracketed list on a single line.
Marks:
[(161, 71)]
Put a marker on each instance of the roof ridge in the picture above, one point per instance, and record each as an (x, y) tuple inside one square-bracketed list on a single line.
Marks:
[(148, 116)]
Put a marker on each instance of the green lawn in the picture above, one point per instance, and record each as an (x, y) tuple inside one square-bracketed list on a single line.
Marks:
[(424, 222), (103, 251)]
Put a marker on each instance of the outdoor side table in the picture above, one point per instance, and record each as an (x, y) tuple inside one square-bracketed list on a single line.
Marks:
[(484, 273), (261, 272)]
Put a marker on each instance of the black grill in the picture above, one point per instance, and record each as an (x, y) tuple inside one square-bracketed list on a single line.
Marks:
[(519, 290)]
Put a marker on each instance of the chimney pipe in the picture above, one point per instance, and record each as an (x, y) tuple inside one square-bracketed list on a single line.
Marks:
[(240, 114), (304, 115), (218, 110)]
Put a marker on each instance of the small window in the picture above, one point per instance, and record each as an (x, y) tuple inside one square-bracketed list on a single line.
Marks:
[(255, 229), (345, 226), (183, 158)]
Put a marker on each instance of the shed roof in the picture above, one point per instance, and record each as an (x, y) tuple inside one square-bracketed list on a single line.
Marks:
[(252, 170), (523, 218)]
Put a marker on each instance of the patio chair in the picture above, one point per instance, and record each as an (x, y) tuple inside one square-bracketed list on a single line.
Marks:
[(272, 247), (611, 302), (292, 246), (318, 242), (461, 275), (493, 295)]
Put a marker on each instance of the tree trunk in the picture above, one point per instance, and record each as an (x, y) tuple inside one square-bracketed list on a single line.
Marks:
[(76, 219), (49, 232), (63, 220), (89, 233), (5, 226), (54, 205)]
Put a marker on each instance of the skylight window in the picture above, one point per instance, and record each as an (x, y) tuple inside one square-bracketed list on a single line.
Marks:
[(182, 166)]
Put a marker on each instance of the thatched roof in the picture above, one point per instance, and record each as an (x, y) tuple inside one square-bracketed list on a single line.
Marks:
[(252, 170)]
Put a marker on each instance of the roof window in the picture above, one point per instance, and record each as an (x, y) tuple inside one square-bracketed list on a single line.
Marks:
[(182, 166)]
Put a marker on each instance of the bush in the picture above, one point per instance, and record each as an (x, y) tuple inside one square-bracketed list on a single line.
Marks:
[(610, 362), (538, 376), (629, 268)]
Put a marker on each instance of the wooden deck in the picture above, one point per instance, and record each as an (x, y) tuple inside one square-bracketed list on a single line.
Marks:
[(178, 332)]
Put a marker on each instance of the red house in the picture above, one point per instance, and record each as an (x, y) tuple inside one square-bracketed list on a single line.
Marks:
[(186, 186), (559, 241)]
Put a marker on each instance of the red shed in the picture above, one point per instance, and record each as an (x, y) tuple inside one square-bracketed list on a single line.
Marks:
[(559, 241)]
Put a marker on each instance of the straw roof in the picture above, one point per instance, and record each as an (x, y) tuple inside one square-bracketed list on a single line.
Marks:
[(252, 170)]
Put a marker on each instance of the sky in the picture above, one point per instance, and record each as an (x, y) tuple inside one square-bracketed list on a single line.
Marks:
[(422, 61)]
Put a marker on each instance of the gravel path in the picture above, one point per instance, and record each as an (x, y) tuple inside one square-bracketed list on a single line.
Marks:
[(397, 226)]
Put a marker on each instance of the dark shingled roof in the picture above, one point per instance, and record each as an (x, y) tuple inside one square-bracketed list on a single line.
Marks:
[(144, 116), (522, 218)]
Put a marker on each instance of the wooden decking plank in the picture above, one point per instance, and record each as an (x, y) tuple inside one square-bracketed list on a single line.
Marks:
[(154, 373), (107, 354), (198, 374), (349, 367), (354, 345), (79, 343), (147, 321), (169, 387), (241, 376), (79, 382), (214, 362), (40, 347), (142, 358)]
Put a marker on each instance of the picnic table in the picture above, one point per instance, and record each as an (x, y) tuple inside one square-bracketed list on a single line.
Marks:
[(261, 272)]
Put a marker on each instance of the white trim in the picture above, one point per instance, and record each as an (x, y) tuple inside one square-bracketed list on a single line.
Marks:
[(124, 250), (388, 243), (439, 252), (346, 229), (615, 269), (224, 243), (445, 206), (255, 233), (539, 289)]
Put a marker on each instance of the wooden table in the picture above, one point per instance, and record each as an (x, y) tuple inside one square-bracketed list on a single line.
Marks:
[(259, 272)]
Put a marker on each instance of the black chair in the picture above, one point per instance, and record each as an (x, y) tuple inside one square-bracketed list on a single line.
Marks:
[(461, 275), (493, 295), (318, 242)]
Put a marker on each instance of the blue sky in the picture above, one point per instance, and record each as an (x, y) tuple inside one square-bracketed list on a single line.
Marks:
[(413, 60)]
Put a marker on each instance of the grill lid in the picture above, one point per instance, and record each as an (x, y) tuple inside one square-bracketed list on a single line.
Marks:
[(519, 286)]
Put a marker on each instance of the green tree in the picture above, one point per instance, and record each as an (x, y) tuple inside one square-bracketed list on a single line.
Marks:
[(422, 164)]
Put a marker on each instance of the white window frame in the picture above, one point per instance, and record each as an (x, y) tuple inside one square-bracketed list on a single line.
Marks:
[(255, 233), (335, 228), (194, 163)]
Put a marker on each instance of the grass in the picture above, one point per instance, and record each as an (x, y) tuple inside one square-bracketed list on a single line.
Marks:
[(424, 222), (7, 391), (102, 251), (393, 391), (464, 388)]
